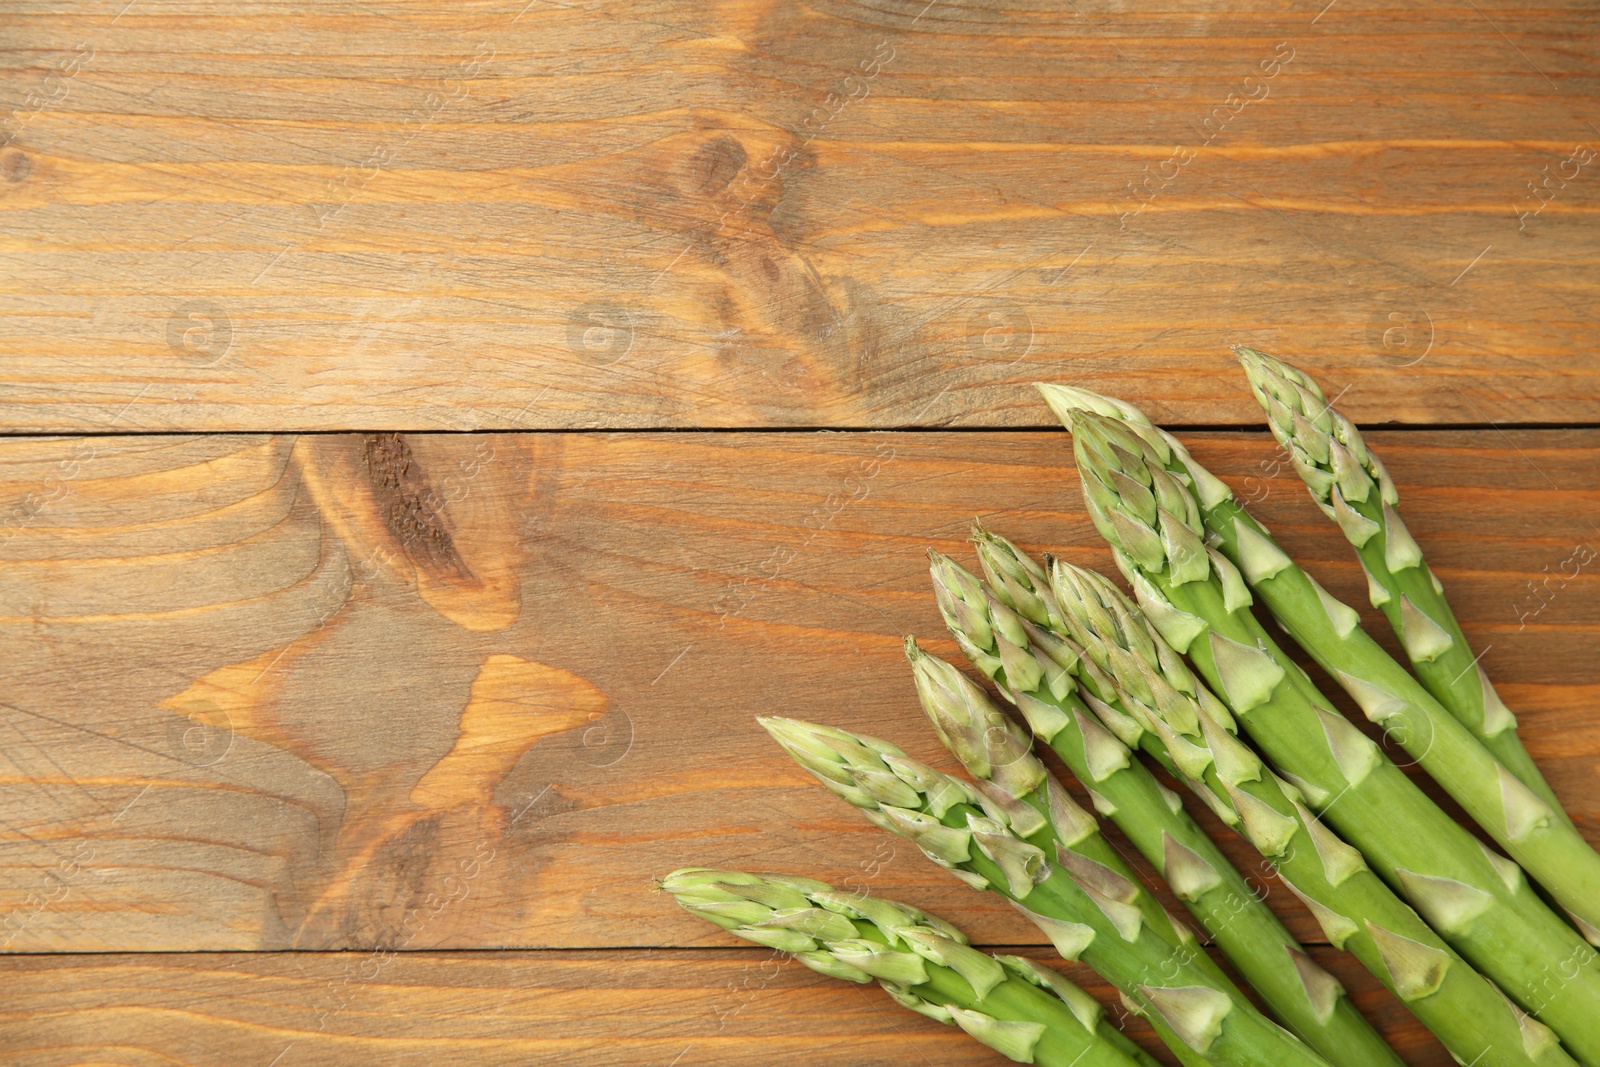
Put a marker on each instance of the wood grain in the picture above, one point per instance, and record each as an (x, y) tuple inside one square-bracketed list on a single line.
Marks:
[(502, 214), (603, 1009), (476, 691)]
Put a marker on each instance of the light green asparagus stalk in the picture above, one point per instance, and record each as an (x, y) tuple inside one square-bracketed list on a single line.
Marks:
[(1544, 843), (1035, 671), (1197, 599), (1089, 911), (1355, 908), (1026, 1012), (1350, 485)]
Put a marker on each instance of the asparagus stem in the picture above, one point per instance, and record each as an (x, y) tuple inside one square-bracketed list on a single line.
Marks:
[(1036, 672), (1350, 485), (1356, 909), (1197, 600), (1026, 1012), (1086, 909)]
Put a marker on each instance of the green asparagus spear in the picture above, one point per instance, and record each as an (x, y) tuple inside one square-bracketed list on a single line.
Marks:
[(1024, 1011), (1544, 843), (1356, 909), (1350, 485), (1088, 910), (1199, 602), (1037, 674)]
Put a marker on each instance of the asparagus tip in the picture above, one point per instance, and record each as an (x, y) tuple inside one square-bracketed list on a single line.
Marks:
[(1068, 401)]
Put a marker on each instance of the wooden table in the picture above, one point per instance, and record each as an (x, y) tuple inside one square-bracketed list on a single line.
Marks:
[(422, 461)]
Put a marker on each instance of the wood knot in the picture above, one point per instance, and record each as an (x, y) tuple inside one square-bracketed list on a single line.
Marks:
[(409, 506), (714, 165), (15, 165)]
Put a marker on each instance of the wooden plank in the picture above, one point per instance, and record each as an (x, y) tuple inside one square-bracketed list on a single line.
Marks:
[(607, 1009), (744, 213), (476, 691)]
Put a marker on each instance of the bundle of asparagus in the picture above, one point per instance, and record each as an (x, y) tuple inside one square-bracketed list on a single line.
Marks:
[(1139, 678), (1005, 838), (1304, 995), (1132, 675), (1453, 928)]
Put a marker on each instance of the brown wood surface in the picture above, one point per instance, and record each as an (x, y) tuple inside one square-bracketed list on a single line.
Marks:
[(544, 213), (659, 1008)]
